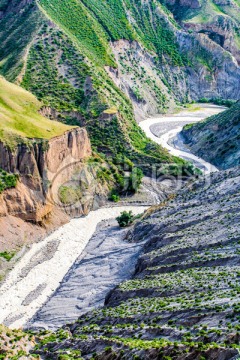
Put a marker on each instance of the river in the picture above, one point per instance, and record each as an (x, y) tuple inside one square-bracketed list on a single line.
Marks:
[(165, 130)]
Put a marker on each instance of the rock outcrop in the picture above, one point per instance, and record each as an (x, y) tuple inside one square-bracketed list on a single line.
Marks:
[(153, 88), (219, 19), (57, 181), (190, 4), (220, 30)]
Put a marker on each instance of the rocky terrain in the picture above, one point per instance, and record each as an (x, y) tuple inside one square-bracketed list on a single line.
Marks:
[(216, 19), (217, 138), (183, 300), (40, 271), (106, 261)]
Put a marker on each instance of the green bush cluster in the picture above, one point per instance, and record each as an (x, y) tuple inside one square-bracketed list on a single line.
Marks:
[(125, 219), (42, 74), (218, 101), (111, 15), (7, 255), (7, 180)]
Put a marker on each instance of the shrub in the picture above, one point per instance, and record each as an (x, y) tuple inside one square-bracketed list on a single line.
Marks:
[(125, 219), (7, 255), (114, 195), (115, 198), (7, 180)]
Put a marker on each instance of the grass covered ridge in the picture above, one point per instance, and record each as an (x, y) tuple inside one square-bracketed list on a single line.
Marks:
[(20, 118)]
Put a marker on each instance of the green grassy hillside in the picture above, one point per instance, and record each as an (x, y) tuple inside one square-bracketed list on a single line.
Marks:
[(21, 20), (73, 17), (91, 24), (20, 117)]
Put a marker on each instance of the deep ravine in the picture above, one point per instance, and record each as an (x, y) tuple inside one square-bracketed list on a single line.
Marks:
[(61, 273)]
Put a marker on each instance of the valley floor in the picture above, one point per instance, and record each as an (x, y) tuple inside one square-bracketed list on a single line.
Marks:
[(183, 301), (45, 271), (38, 274)]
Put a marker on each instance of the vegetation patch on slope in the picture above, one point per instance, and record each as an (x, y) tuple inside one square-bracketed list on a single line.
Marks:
[(7, 180), (19, 22), (15, 344), (73, 17)]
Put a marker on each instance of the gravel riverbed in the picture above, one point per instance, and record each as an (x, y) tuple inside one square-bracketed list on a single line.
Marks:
[(40, 271)]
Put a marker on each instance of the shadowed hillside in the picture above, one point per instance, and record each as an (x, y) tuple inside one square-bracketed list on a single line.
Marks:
[(217, 139)]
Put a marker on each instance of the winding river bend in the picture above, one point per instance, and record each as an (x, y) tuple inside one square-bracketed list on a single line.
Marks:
[(72, 270), (165, 131)]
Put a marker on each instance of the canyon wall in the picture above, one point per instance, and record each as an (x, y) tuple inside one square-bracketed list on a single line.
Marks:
[(37, 163)]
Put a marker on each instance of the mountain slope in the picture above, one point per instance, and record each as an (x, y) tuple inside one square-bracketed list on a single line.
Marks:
[(217, 139), (217, 19), (102, 64), (74, 89)]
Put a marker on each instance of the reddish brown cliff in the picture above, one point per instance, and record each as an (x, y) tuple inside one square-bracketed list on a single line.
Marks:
[(38, 163)]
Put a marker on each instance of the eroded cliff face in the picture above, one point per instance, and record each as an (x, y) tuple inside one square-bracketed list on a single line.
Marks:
[(46, 169), (140, 79), (37, 163), (221, 31), (219, 77), (217, 19)]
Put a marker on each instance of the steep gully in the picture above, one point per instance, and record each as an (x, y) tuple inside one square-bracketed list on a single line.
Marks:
[(67, 274)]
